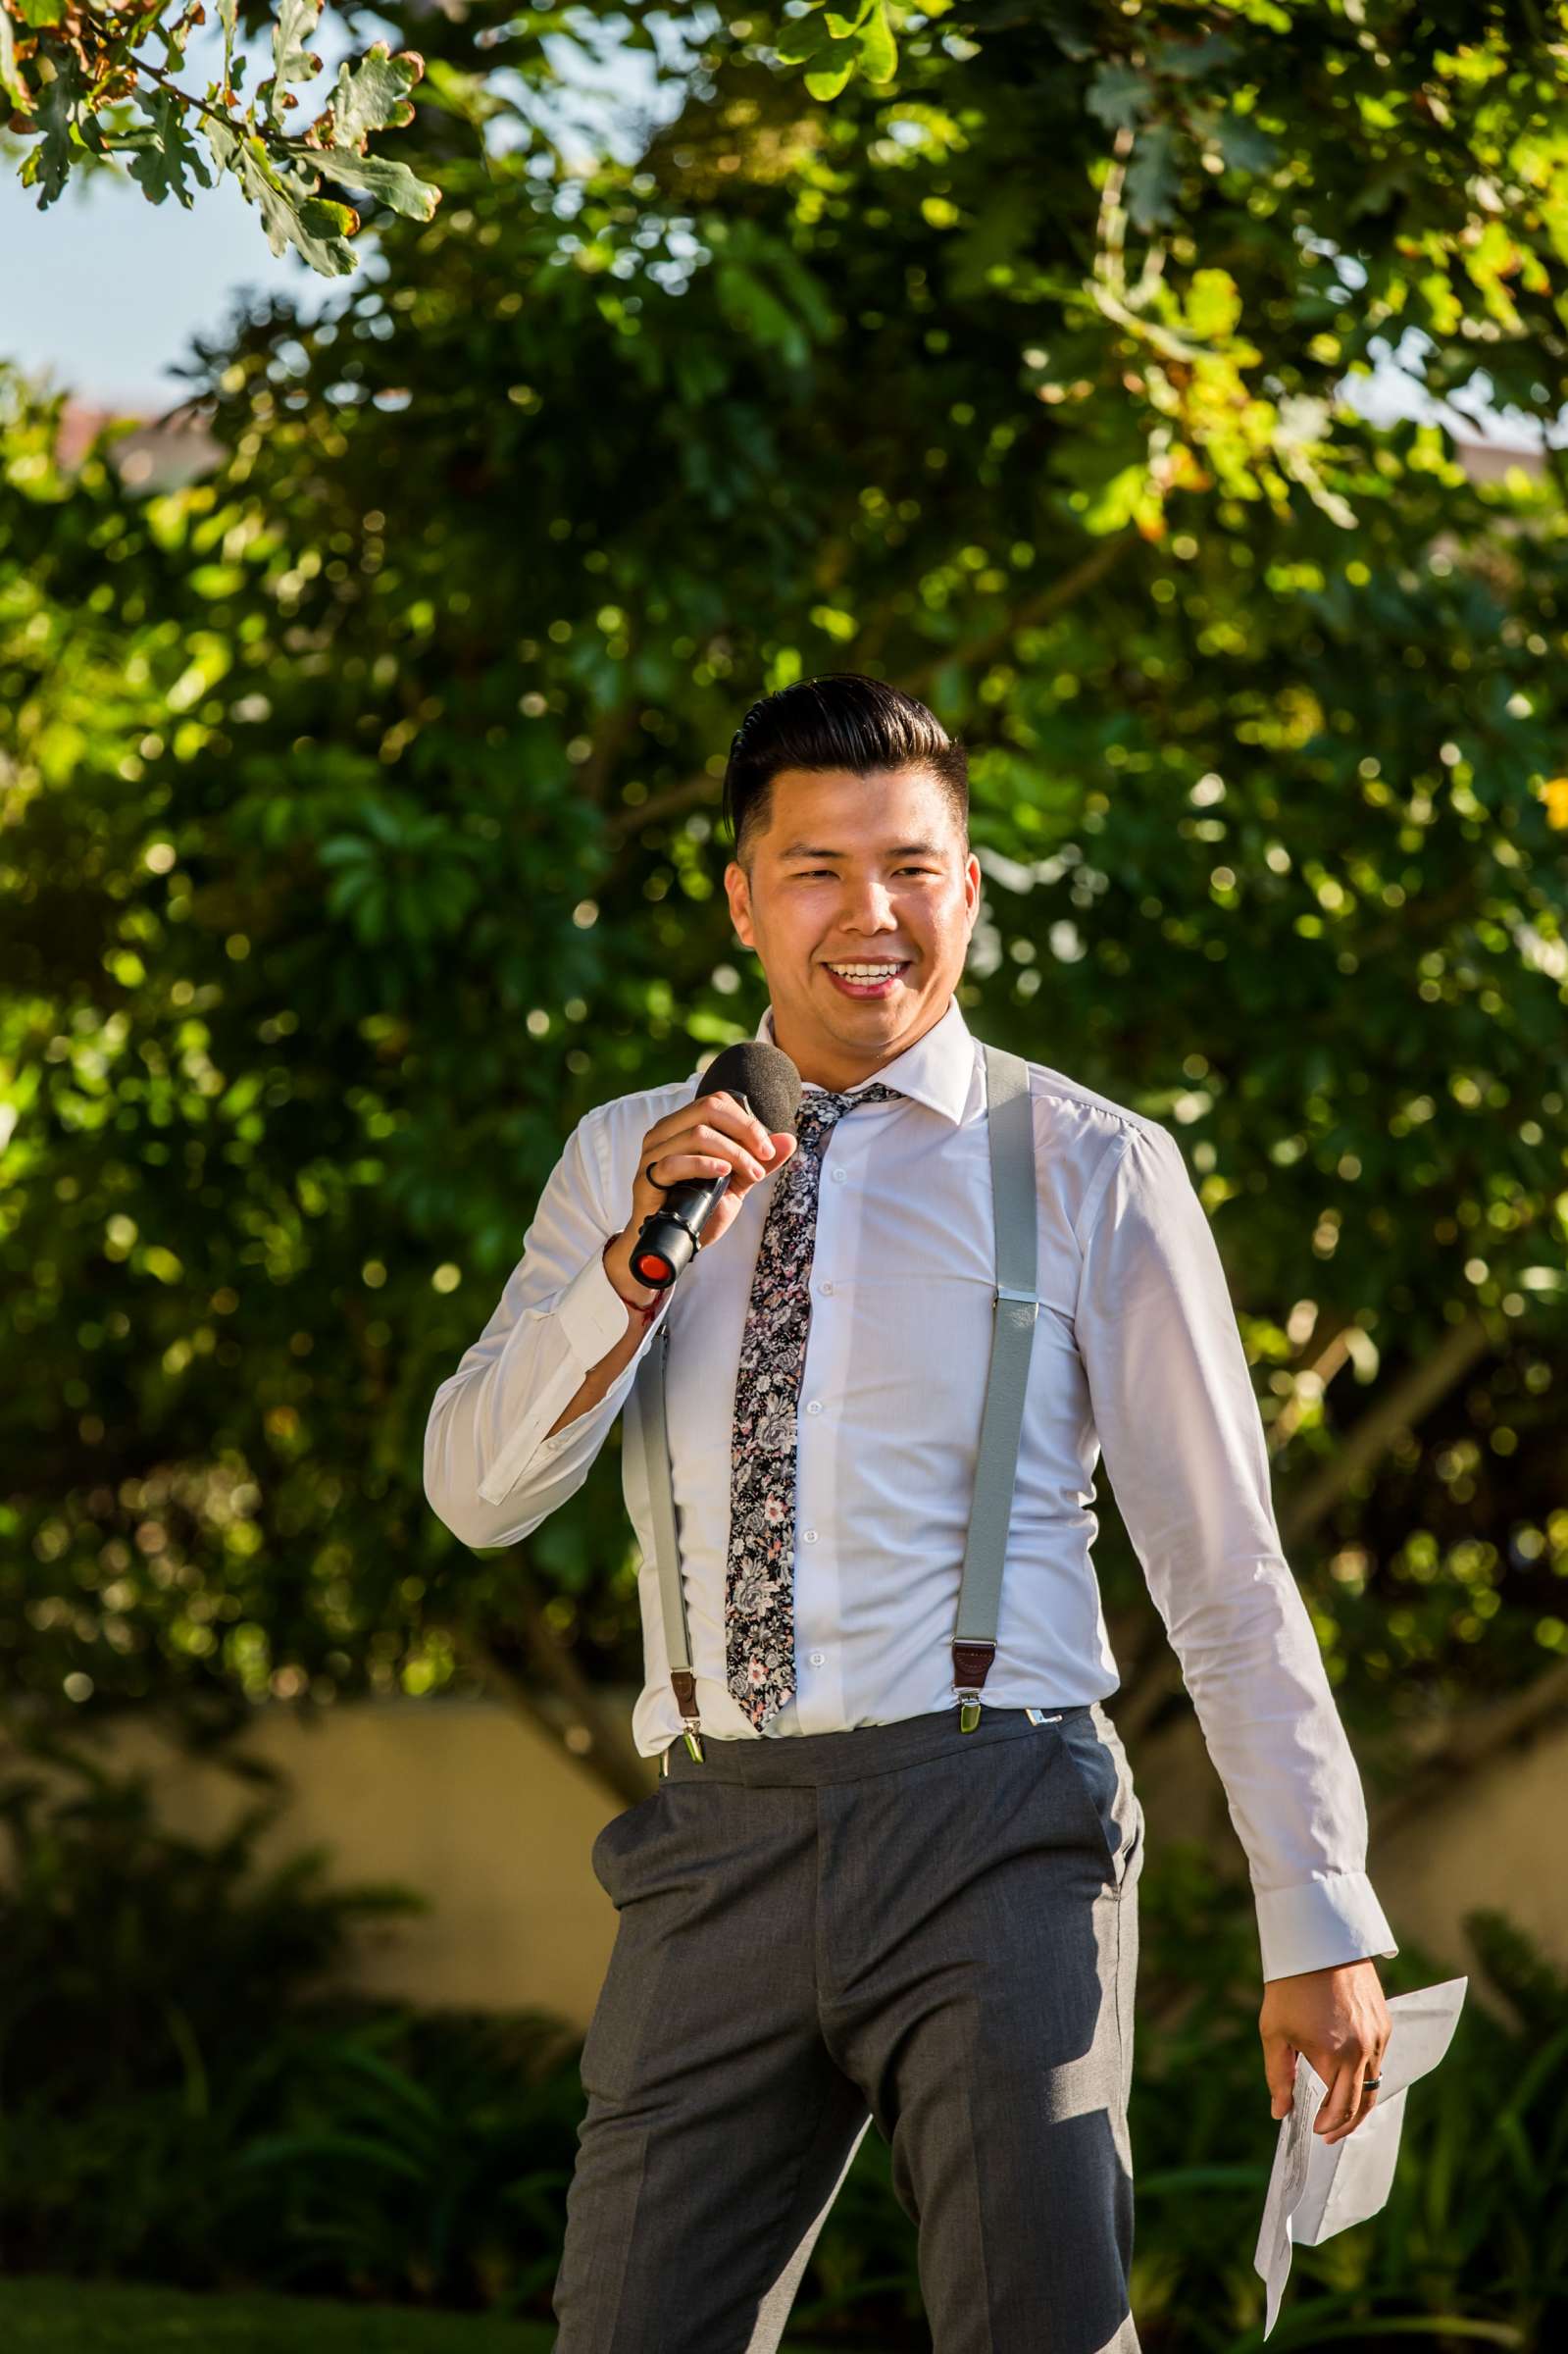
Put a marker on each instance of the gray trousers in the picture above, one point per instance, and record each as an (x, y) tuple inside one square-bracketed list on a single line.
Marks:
[(903, 1922)]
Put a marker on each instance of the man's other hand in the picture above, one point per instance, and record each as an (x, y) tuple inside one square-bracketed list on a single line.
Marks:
[(1338, 2018)]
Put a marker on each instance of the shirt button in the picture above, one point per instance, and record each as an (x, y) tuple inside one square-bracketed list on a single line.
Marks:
[(838, 1175), (816, 1658), (824, 1288), (810, 1535), (815, 1407)]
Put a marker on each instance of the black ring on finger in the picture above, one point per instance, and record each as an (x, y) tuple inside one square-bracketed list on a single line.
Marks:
[(659, 1181)]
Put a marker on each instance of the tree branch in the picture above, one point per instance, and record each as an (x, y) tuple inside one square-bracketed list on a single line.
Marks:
[(1094, 568), (1329, 1339), (663, 804), (1402, 1404), (1062, 592)]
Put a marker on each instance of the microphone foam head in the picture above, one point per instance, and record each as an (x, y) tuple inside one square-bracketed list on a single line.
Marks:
[(763, 1074)]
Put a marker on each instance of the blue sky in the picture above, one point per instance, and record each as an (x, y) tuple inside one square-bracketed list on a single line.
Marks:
[(104, 289)]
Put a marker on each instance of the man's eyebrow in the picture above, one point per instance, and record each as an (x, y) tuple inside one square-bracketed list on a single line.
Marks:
[(906, 850)]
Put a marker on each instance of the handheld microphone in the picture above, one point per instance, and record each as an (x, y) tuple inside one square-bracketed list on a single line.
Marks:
[(764, 1082)]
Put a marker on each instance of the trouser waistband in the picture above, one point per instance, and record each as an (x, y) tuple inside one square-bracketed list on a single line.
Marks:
[(861, 1749)]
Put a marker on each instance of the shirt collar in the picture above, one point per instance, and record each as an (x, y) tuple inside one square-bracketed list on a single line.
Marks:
[(937, 1070)]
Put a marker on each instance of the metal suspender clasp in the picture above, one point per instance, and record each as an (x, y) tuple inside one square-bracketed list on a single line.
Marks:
[(1005, 1291)]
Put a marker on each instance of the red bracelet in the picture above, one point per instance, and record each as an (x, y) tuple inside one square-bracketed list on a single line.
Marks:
[(635, 1306)]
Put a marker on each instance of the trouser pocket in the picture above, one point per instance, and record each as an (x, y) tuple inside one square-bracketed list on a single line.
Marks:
[(619, 1837), (1095, 1762)]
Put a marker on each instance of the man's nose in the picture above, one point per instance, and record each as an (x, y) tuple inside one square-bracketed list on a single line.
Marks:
[(871, 905)]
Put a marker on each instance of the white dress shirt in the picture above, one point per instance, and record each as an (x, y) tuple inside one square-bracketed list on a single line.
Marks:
[(1136, 1354)]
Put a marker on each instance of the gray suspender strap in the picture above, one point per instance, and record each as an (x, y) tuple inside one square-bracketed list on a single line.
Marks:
[(1010, 1125), (1010, 1130), (666, 1543)]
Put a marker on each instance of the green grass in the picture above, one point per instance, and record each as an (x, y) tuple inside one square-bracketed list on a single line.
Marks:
[(40, 2314)]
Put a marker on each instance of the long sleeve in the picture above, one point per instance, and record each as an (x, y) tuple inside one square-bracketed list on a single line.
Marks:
[(490, 1474), (1184, 1445)]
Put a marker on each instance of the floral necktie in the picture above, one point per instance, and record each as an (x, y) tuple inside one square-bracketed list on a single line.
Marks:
[(759, 1576)]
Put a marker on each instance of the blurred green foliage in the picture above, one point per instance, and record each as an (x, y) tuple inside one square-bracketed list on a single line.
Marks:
[(360, 803), (193, 2096), (41, 2314)]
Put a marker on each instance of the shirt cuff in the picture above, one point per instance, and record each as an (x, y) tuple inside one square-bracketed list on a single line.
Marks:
[(1331, 1919), (592, 1313)]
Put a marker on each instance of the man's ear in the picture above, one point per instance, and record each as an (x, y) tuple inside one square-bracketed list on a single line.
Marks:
[(738, 893)]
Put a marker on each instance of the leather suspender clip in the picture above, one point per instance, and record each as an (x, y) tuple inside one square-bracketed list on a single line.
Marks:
[(970, 1664), (685, 1691)]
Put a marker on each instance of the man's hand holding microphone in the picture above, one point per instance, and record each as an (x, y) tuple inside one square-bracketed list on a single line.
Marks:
[(695, 1167), (695, 1142), (709, 1138)]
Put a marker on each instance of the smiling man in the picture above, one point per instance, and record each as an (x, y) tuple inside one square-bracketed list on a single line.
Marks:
[(893, 1875)]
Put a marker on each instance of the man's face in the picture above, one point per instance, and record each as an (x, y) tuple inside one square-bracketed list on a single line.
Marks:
[(856, 871)]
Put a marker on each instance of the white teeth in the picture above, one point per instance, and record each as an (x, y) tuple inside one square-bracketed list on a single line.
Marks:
[(865, 972)]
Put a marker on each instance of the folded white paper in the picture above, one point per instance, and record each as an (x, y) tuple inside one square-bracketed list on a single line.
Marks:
[(1319, 2188)]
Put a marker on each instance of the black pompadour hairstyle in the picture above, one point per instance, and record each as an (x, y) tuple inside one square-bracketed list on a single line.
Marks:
[(842, 720)]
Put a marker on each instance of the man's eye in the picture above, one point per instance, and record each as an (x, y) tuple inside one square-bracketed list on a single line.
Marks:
[(807, 873)]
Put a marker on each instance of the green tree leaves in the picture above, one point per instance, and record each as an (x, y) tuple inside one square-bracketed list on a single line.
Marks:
[(831, 45), (71, 81), (294, 60)]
